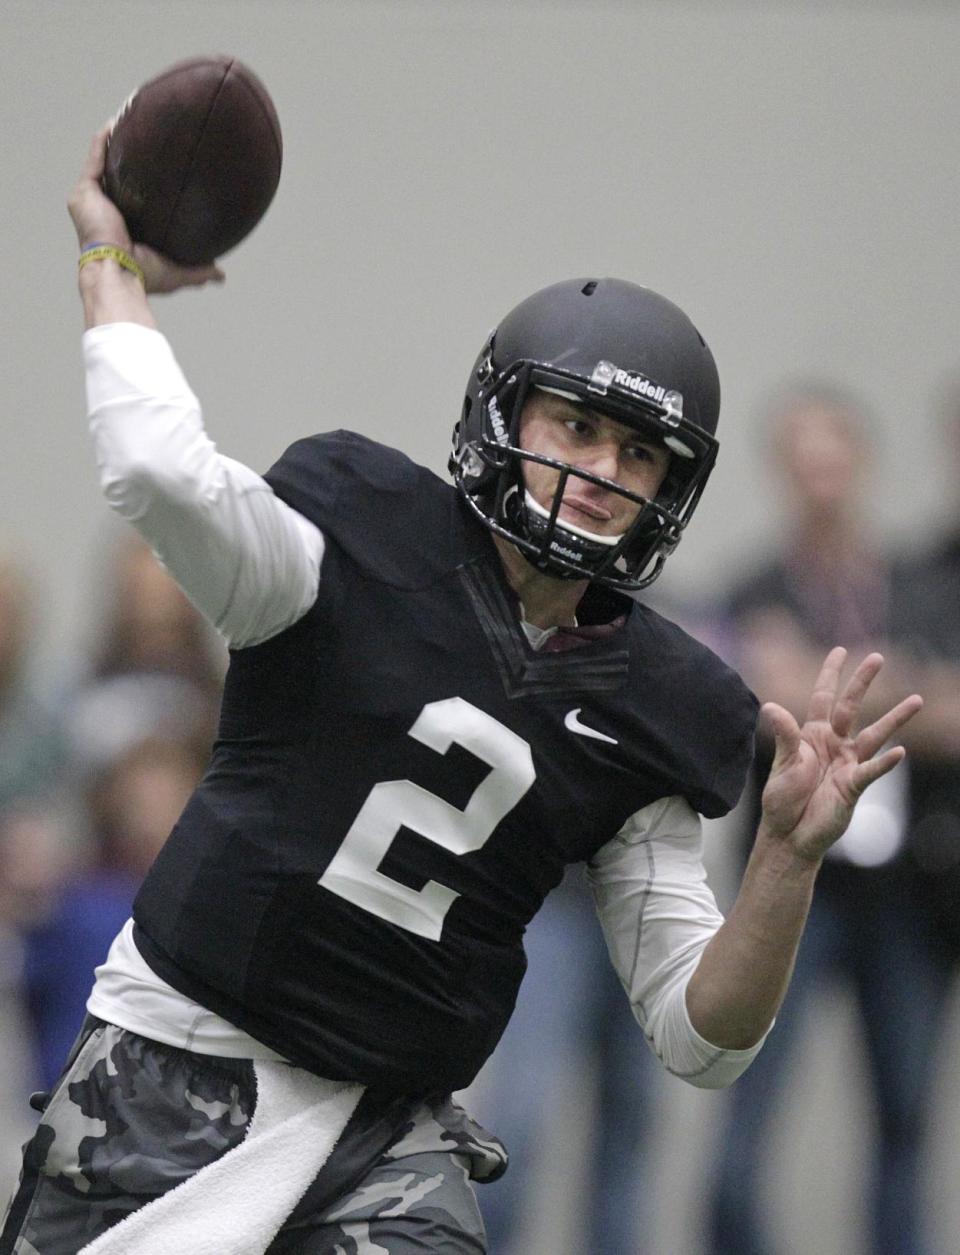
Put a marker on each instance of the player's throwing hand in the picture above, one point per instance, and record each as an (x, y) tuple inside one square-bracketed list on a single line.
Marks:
[(820, 769), (98, 221)]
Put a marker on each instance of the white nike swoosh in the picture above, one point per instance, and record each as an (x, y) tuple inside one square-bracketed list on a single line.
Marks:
[(573, 723)]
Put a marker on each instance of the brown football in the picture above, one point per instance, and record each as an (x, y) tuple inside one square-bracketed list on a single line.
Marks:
[(194, 158)]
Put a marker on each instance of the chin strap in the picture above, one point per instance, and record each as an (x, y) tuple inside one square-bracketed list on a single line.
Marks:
[(566, 526)]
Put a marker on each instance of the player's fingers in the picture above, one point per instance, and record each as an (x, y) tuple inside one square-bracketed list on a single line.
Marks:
[(871, 738), (163, 275), (84, 202), (189, 277), (92, 166), (200, 275), (848, 704), (785, 729), (96, 156), (825, 689), (864, 774)]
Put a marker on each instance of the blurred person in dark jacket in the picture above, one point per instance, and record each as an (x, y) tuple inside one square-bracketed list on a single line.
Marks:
[(571, 1030), (868, 925), (133, 803), (137, 730), (927, 620)]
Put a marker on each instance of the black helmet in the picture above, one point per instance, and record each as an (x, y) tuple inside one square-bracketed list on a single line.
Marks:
[(625, 352)]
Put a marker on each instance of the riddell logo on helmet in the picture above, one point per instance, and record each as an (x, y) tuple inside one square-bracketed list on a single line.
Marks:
[(605, 374), (640, 383), (496, 421)]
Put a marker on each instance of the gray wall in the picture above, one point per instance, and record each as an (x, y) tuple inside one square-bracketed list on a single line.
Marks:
[(787, 173)]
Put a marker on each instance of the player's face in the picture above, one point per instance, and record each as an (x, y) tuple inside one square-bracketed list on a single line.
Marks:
[(592, 442)]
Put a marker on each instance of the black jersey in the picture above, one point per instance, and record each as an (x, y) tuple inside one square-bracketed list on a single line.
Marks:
[(399, 779)]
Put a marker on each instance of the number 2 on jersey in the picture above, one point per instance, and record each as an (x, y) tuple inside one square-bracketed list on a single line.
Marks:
[(353, 871)]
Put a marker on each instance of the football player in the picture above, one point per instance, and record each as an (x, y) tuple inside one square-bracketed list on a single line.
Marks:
[(438, 697)]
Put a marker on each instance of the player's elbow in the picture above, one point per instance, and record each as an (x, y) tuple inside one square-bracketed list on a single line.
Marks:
[(158, 460), (704, 1066), (686, 1051), (719, 1073), (129, 489), (131, 486)]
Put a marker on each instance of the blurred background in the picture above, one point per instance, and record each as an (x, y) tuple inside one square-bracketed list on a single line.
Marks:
[(786, 172)]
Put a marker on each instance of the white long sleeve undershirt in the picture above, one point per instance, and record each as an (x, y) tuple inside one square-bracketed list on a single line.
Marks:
[(252, 565), (245, 559)]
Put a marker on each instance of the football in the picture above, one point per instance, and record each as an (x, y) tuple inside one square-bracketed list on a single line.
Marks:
[(193, 159)]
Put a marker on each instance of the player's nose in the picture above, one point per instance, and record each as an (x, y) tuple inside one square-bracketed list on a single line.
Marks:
[(602, 459)]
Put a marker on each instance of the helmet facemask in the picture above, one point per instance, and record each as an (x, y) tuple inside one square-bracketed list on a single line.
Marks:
[(489, 471)]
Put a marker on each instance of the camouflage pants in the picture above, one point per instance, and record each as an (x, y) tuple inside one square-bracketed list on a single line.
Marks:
[(132, 1118)]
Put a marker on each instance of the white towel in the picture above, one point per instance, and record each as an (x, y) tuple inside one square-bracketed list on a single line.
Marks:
[(237, 1204)]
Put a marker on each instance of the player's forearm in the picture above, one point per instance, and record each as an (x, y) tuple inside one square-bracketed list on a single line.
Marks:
[(743, 973), (112, 294)]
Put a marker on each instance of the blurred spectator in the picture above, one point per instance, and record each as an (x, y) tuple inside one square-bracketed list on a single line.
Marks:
[(156, 670), (30, 752), (35, 856), (572, 1025), (831, 586), (133, 802), (31, 761), (148, 624), (137, 730), (927, 621), (31, 848)]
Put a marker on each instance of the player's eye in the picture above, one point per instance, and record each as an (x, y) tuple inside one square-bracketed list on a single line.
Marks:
[(578, 426), (640, 452)]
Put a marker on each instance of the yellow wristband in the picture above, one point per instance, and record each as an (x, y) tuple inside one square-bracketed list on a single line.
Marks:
[(97, 252)]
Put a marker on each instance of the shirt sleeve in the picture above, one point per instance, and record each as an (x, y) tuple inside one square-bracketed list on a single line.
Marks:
[(247, 560), (658, 913)]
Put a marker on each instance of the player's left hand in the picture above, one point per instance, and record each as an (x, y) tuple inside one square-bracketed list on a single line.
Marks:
[(820, 769)]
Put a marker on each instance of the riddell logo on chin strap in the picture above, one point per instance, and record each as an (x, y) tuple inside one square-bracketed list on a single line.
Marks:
[(564, 552)]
